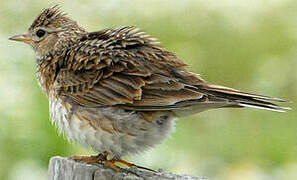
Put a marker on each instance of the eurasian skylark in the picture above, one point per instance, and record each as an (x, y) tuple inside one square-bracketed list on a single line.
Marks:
[(116, 90)]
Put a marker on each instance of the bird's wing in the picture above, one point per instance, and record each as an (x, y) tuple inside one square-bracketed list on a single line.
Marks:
[(125, 67)]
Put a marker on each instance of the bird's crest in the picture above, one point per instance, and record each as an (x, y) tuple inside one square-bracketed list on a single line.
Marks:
[(47, 16)]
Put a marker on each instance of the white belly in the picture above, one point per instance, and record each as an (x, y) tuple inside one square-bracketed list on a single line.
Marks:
[(128, 139), (79, 131)]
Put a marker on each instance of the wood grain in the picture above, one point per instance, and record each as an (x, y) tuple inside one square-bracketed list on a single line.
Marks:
[(61, 168)]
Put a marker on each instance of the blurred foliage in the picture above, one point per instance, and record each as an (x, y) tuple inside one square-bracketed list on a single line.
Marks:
[(248, 45)]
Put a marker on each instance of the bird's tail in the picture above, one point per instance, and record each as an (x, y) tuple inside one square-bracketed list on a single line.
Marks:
[(243, 99)]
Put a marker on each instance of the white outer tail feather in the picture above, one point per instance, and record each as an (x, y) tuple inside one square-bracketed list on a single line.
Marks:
[(276, 108)]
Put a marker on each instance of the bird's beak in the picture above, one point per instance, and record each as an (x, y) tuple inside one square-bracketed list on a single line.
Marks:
[(21, 37)]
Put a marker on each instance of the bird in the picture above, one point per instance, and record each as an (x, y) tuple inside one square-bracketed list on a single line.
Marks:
[(117, 90)]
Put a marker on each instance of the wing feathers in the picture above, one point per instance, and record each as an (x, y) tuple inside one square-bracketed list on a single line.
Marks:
[(123, 67)]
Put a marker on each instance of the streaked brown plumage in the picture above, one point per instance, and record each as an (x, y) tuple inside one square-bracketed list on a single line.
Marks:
[(116, 90)]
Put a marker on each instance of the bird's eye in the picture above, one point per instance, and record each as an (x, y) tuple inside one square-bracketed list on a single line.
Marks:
[(40, 33)]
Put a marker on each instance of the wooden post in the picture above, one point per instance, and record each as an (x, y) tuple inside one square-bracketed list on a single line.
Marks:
[(61, 168)]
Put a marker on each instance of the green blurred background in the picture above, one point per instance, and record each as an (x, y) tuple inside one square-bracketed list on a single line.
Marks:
[(246, 44)]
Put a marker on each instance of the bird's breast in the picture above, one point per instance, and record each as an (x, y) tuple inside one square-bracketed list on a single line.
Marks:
[(41, 79)]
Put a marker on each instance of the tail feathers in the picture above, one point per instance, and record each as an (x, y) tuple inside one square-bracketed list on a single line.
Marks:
[(243, 99), (265, 107)]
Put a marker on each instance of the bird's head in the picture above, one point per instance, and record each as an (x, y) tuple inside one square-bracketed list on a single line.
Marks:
[(50, 32)]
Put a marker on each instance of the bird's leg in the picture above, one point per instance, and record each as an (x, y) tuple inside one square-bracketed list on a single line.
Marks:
[(102, 158)]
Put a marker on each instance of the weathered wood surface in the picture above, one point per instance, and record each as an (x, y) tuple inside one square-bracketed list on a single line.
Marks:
[(61, 168)]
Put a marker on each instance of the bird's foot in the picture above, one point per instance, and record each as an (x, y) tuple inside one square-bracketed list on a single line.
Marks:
[(102, 158), (130, 165), (91, 159)]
